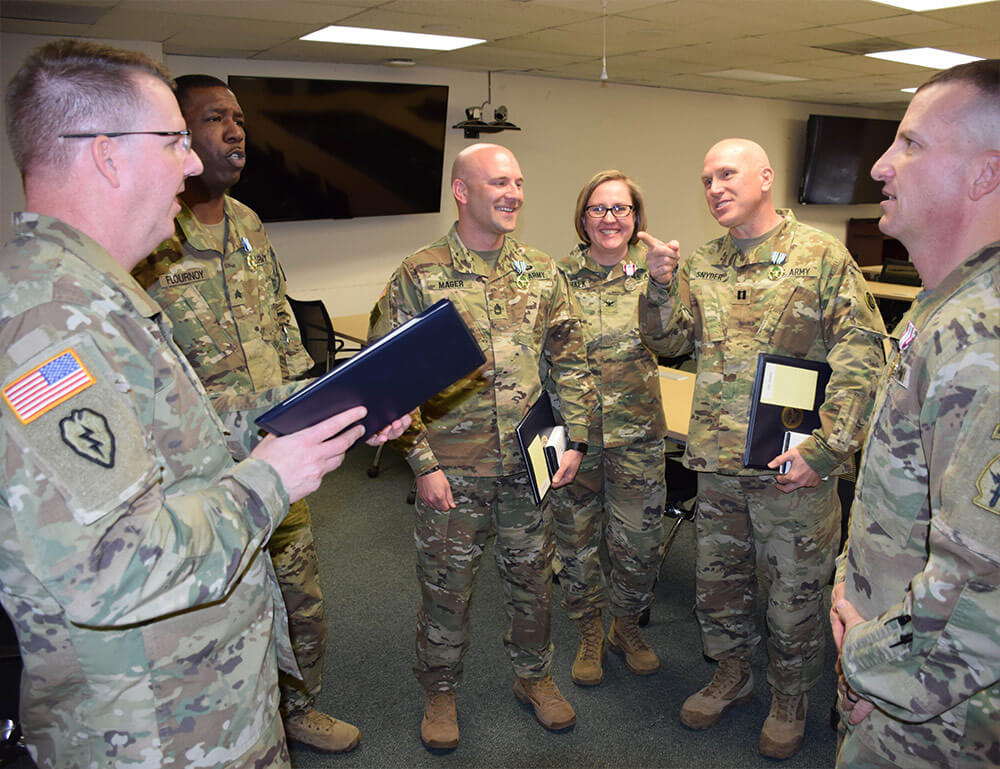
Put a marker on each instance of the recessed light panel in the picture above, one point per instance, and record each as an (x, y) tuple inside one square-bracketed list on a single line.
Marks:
[(932, 58), (388, 38)]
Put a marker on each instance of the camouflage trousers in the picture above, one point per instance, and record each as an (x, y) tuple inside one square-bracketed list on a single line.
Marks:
[(853, 753), (745, 524), (450, 546), (296, 565), (628, 484)]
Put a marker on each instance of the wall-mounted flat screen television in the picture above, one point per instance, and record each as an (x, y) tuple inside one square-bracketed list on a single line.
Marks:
[(840, 152), (334, 149)]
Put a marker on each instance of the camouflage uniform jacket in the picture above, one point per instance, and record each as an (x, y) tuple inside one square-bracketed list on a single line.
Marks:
[(625, 371), (799, 294), (519, 314), (128, 536), (229, 312), (922, 560)]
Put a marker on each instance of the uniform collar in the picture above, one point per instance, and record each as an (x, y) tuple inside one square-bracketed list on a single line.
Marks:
[(983, 260), (779, 243), (197, 234), (466, 260), (88, 250), (579, 260)]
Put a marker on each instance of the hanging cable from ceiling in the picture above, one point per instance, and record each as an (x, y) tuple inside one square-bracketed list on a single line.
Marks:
[(604, 46)]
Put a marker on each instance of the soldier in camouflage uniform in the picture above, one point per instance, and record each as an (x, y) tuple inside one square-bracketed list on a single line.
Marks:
[(470, 474), (220, 283), (149, 628), (916, 603), (770, 285), (623, 472)]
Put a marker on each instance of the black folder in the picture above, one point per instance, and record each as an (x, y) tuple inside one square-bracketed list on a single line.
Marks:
[(403, 369), (534, 433), (787, 394)]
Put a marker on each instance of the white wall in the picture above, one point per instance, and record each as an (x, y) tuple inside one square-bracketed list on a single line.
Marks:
[(570, 129)]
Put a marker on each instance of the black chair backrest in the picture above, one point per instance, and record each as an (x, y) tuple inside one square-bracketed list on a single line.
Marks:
[(318, 336)]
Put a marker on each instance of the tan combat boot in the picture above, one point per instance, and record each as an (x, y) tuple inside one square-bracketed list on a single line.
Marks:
[(439, 727), (626, 638), (781, 736), (731, 685), (551, 708), (587, 670), (322, 732)]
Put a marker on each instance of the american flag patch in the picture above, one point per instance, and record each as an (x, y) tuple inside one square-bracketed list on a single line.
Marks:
[(45, 387)]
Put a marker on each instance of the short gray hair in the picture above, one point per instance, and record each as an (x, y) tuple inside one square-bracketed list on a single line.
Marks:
[(69, 86)]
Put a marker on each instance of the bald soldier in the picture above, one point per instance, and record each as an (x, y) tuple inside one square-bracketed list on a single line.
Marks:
[(470, 474), (916, 604), (770, 285)]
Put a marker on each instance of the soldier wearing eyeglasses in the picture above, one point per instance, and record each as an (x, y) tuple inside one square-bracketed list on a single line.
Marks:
[(774, 285), (149, 624), (622, 475)]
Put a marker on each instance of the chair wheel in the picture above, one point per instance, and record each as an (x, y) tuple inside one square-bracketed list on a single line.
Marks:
[(644, 617), (372, 471)]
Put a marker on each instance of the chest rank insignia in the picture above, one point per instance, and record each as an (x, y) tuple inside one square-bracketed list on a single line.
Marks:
[(521, 268), (630, 269), (776, 272)]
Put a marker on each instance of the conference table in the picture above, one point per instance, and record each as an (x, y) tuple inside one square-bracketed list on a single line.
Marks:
[(896, 291), (352, 327), (677, 389)]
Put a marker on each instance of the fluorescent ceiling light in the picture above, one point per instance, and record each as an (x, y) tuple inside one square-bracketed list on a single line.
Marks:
[(932, 58), (753, 76), (909, 90), (388, 38), (928, 5)]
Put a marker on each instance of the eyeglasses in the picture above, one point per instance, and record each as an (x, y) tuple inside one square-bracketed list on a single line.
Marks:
[(185, 140), (619, 211)]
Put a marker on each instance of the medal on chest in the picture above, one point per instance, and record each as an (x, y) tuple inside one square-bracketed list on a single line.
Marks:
[(630, 268), (521, 268)]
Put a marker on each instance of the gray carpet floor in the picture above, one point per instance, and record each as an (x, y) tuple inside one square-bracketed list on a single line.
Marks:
[(363, 528)]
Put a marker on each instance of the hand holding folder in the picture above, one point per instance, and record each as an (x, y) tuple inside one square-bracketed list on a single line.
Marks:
[(543, 446)]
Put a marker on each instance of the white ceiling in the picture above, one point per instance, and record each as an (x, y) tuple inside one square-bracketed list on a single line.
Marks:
[(672, 44)]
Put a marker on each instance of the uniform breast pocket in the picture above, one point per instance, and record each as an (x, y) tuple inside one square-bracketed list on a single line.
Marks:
[(709, 320), (519, 313), (897, 481), (791, 322), (197, 329)]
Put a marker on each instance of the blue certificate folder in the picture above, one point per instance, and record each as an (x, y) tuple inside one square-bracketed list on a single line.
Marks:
[(406, 367)]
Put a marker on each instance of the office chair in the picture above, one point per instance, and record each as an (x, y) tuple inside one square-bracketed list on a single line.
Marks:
[(318, 336)]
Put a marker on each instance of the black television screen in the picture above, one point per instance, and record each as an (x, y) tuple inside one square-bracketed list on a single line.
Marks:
[(335, 149), (840, 152)]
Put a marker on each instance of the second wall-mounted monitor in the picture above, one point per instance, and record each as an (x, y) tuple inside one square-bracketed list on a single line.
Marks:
[(840, 152), (334, 149)]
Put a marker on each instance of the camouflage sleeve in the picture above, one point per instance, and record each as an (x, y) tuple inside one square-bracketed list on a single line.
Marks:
[(294, 359), (938, 646), (666, 320), (853, 332), (238, 412), (568, 368), (110, 542), (399, 302)]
